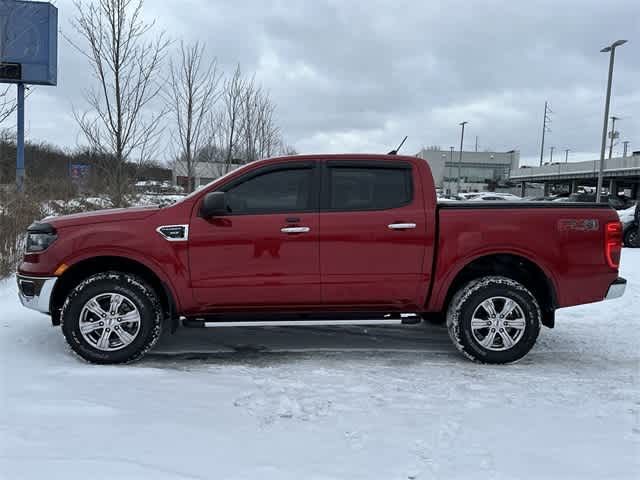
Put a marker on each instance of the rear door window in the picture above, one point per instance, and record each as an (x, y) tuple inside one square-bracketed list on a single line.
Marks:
[(368, 188)]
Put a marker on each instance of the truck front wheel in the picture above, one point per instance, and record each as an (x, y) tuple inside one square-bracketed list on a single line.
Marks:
[(494, 320), (111, 317)]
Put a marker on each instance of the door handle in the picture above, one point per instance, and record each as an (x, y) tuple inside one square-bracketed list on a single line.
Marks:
[(295, 229), (401, 226)]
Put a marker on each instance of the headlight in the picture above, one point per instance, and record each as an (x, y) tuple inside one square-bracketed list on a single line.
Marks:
[(37, 242)]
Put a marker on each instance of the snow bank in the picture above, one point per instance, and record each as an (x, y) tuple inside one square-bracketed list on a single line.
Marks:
[(323, 403)]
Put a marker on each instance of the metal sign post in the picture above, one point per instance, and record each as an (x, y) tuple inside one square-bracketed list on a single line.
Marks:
[(20, 140)]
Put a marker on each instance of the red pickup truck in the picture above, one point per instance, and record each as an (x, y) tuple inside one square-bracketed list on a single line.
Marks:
[(320, 239)]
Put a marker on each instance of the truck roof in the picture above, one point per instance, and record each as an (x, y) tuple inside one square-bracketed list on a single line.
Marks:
[(346, 156)]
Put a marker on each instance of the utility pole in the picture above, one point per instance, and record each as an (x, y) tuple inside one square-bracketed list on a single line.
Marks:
[(551, 156), (460, 158), (566, 155), (476, 143), (546, 120), (612, 133), (611, 48), (450, 164), (626, 146)]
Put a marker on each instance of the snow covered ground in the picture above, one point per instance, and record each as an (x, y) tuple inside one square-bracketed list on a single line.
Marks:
[(324, 403)]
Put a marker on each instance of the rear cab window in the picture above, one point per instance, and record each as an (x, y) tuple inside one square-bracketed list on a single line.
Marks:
[(357, 186)]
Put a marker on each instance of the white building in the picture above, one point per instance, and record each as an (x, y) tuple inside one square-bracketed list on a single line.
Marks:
[(478, 170), (203, 172)]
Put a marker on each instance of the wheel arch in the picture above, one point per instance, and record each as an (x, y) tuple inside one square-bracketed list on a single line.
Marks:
[(84, 268), (514, 266)]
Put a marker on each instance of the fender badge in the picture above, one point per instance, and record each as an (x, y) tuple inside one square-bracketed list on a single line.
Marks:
[(174, 233)]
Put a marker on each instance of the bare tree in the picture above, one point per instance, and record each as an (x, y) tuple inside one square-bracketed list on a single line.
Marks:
[(245, 128), (283, 148), (268, 135), (125, 61), (228, 120), (193, 92), (260, 134), (7, 104)]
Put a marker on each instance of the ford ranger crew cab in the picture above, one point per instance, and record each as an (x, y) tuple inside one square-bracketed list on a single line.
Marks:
[(320, 238)]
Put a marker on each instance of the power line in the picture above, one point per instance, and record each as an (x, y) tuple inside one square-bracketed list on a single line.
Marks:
[(546, 122)]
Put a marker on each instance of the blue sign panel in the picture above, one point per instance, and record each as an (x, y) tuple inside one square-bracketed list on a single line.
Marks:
[(28, 42), (79, 172)]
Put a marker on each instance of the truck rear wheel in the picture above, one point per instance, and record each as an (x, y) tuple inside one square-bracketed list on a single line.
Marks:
[(494, 320), (111, 317)]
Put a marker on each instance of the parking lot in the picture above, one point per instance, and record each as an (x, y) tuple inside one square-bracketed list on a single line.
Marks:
[(326, 402)]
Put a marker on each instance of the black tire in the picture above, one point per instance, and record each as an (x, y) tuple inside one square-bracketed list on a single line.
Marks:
[(632, 237), (136, 293), (468, 300)]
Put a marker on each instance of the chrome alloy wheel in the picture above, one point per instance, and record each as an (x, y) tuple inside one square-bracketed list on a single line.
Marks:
[(109, 322), (498, 323)]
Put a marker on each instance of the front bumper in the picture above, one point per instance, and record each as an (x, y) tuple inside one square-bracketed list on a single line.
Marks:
[(35, 292), (616, 289)]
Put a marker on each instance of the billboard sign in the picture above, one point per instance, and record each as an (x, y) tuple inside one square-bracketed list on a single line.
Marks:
[(79, 173), (28, 42)]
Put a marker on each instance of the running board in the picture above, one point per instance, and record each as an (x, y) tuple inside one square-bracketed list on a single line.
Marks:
[(197, 323)]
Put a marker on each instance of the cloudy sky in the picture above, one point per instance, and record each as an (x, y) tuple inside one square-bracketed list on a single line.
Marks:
[(359, 75)]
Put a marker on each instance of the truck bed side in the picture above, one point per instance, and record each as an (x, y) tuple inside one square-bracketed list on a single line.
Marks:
[(565, 241)]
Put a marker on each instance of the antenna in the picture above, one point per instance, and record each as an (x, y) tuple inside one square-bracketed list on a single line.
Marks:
[(395, 152)]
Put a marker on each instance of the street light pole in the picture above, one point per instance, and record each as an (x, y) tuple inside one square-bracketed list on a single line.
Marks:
[(551, 149), (611, 48), (450, 163), (460, 158), (566, 155)]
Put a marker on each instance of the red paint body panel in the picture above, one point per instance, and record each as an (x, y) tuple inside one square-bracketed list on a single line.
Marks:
[(348, 261), (573, 261), (366, 265), (246, 261)]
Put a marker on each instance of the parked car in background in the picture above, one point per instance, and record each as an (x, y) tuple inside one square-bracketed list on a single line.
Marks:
[(469, 195), (488, 197), (538, 199), (631, 226), (496, 196), (448, 198), (619, 202)]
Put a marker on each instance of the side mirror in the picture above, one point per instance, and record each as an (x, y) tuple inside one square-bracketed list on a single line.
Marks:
[(213, 205)]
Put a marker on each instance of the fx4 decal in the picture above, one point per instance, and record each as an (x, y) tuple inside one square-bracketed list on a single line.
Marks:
[(578, 225)]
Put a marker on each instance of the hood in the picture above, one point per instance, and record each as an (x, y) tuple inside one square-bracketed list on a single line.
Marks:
[(101, 216)]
